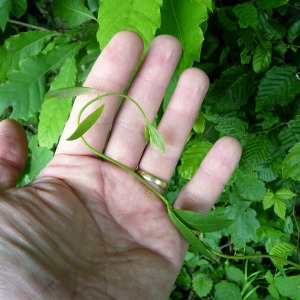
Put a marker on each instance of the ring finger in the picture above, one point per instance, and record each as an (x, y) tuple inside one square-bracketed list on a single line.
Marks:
[(176, 124)]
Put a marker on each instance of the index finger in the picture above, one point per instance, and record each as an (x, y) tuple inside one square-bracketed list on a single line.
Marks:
[(110, 73)]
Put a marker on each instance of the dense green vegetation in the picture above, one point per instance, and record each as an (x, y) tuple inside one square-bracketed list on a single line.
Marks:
[(250, 50)]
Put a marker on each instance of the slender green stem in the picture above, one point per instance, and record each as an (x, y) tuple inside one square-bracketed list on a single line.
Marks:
[(254, 256)]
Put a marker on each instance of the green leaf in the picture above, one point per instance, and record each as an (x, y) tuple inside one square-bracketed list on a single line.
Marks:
[(234, 274), (199, 125), (5, 6), (189, 235), (202, 285), (25, 89), (155, 137), (262, 57), (227, 290), (288, 286), (86, 124), (232, 126), (245, 223), (201, 222), (247, 15), (55, 112), (192, 158), (38, 159), (250, 188), (278, 87), (18, 7), (282, 250), (69, 92), (142, 17), (20, 46), (268, 200), (285, 194), (279, 208), (293, 32), (72, 12), (291, 163), (182, 19), (271, 3), (231, 90)]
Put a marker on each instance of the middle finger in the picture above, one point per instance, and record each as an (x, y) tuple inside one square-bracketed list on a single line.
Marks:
[(127, 141)]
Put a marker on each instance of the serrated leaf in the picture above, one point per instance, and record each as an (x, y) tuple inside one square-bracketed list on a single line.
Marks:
[(293, 32), (231, 90), (201, 222), (25, 89), (202, 285), (285, 194), (21, 46), (246, 14), (291, 163), (277, 87), (55, 112), (262, 57), (4, 13), (192, 158), (199, 124), (142, 17), (245, 223), (69, 92), (269, 200), (279, 208), (189, 235), (86, 124), (271, 3), (155, 137), (232, 126), (72, 12), (282, 250)]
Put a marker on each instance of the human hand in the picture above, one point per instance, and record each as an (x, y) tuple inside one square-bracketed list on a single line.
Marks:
[(86, 229)]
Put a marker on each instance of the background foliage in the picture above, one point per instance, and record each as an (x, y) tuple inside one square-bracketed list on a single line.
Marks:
[(250, 50)]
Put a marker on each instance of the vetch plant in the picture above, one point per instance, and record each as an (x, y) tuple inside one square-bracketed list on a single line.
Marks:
[(185, 221)]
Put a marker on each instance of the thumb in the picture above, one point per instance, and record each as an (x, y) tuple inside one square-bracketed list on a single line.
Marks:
[(13, 153)]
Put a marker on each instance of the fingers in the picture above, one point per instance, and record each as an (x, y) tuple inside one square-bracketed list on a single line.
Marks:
[(127, 142), (13, 153), (201, 192), (110, 73), (176, 124)]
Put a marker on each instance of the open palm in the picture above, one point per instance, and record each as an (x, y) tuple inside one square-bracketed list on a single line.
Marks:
[(85, 228)]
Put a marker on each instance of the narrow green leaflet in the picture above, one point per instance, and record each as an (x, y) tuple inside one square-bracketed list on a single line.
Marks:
[(201, 222), (25, 89), (189, 235), (19, 47), (72, 12), (246, 14), (291, 163), (278, 87), (69, 92), (87, 123), (154, 136), (55, 112), (142, 17)]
